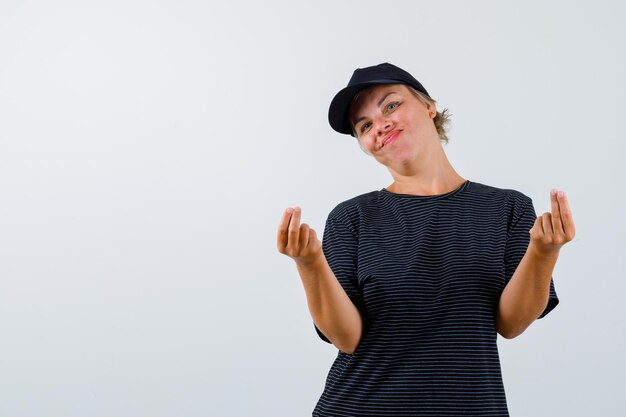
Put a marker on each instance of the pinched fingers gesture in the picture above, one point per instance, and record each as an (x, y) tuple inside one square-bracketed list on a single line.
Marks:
[(553, 229), (298, 241)]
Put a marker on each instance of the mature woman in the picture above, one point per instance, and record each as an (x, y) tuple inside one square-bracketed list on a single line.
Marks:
[(413, 282)]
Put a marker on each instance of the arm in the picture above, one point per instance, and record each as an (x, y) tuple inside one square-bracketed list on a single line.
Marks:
[(526, 295), (334, 314), (332, 310)]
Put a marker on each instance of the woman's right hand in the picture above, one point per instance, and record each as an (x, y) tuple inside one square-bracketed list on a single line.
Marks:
[(298, 241)]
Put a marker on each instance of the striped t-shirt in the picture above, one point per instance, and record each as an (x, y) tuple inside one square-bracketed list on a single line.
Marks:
[(427, 272)]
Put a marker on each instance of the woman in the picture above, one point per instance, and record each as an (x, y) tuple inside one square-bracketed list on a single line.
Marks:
[(413, 282)]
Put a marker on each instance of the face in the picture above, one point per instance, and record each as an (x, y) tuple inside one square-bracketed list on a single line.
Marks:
[(392, 124)]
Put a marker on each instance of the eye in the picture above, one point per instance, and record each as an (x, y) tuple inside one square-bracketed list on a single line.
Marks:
[(365, 126), (391, 106)]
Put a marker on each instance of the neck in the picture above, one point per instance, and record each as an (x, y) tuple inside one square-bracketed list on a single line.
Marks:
[(432, 175)]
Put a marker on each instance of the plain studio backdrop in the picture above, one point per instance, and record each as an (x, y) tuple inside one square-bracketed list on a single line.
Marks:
[(148, 150)]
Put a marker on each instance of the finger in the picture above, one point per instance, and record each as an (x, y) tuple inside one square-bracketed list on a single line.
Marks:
[(282, 229), (540, 220), (312, 237), (546, 222), (294, 228), (536, 232), (557, 225), (304, 236), (566, 216)]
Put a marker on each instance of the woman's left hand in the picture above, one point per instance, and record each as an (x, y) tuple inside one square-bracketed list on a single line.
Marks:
[(553, 230)]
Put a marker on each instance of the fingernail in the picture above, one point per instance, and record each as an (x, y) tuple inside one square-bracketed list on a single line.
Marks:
[(553, 191), (561, 193)]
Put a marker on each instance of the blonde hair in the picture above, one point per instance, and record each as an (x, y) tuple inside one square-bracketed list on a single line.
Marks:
[(441, 120)]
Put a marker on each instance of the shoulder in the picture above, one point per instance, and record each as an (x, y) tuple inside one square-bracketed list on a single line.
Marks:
[(351, 211), (513, 205), (356, 203), (508, 196)]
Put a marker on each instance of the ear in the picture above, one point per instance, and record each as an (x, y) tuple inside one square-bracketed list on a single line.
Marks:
[(432, 110)]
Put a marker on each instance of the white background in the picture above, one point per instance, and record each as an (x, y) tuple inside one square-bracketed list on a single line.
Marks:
[(148, 150)]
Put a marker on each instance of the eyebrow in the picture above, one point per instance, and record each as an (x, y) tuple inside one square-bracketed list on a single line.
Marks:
[(356, 122)]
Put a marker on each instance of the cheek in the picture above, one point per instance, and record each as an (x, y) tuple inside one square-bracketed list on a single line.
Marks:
[(368, 142)]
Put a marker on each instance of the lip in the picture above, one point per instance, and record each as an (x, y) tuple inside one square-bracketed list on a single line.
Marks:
[(390, 137)]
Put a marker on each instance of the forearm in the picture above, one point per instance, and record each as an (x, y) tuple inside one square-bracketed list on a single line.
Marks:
[(526, 295), (332, 310)]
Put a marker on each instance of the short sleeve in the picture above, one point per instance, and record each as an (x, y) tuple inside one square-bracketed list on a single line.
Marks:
[(340, 247), (518, 238)]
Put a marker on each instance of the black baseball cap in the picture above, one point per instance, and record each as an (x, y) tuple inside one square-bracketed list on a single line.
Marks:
[(362, 78)]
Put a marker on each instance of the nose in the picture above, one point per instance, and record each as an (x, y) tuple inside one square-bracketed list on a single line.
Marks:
[(382, 126)]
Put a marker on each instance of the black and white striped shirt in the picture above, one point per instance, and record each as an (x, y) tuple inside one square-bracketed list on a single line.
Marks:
[(427, 272)]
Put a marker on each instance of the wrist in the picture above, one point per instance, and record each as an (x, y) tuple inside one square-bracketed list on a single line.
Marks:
[(311, 263), (545, 255)]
